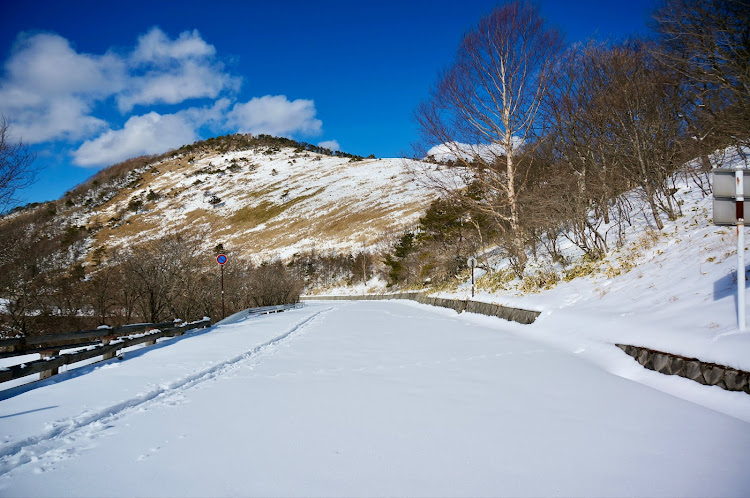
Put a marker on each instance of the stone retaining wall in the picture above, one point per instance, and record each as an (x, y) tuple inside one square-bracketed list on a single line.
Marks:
[(513, 314), (709, 374)]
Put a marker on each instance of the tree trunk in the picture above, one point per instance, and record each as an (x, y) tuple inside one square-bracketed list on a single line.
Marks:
[(515, 222)]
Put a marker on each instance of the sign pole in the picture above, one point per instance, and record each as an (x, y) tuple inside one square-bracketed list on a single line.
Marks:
[(222, 260), (472, 281), (740, 192), (472, 263), (223, 313)]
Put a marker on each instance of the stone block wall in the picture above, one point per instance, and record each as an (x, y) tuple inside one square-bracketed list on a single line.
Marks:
[(709, 374), (519, 315)]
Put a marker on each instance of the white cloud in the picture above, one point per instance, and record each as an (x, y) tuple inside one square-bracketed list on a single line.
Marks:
[(214, 116), (49, 89), (65, 117), (44, 65), (275, 115), (155, 46), (190, 80), (170, 72), (151, 133), (330, 144)]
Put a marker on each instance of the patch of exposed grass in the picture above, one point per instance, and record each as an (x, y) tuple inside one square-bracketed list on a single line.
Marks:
[(583, 268), (255, 194), (542, 279), (135, 225), (266, 210), (345, 221), (496, 281), (256, 215)]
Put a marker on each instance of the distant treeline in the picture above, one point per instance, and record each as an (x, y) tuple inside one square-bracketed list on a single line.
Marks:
[(51, 283)]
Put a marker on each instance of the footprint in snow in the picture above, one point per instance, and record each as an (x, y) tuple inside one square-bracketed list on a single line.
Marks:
[(147, 455)]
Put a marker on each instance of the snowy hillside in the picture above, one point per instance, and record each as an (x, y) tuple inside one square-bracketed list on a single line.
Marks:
[(672, 290), (396, 398), (265, 202)]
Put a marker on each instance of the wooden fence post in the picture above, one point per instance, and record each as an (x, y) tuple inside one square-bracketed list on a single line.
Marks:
[(110, 354), (49, 353)]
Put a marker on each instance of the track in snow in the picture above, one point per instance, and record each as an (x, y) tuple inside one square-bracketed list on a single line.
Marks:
[(32, 449)]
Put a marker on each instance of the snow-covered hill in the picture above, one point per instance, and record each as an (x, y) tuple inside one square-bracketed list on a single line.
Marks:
[(261, 201), (268, 203)]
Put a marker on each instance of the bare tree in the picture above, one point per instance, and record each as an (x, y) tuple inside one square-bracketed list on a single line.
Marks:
[(271, 284), (640, 115), (584, 181), (615, 125), (16, 171), (708, 41), (152, 272), (485, 108)]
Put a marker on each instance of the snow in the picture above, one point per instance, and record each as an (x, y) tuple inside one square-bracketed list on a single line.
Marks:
[(396, 398), (364, 199), (672, 290), (675, 294), (367, 398), (452, 151)]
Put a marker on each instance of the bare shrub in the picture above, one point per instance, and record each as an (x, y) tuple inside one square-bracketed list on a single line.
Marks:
[(271, 284), (16, 161)]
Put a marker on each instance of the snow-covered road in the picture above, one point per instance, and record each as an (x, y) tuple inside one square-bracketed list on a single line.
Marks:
[(362, 399)]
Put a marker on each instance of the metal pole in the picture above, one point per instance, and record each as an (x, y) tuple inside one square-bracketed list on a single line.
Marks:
[(739, 176), (223, 313), (472, 280)]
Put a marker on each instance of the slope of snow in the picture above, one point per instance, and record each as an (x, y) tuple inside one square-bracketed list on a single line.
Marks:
[(673, 291), (363, 399), (454, 151), (272, 204)]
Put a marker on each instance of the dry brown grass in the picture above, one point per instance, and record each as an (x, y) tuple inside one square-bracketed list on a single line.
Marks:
[(252, 216), (256, 194), (343, 222), (135, 225), (339, 217)]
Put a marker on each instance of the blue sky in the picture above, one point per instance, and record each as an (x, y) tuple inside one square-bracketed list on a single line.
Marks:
[(89, 83)]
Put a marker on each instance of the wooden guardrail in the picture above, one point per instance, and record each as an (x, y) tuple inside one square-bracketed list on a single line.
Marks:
[(39, 343), (108, 342)]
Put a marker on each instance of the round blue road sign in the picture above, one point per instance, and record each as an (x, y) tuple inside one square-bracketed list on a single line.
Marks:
[(221, 259)]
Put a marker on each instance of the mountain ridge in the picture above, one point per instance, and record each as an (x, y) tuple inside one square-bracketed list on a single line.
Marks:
[(263, 197)]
